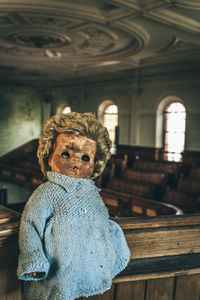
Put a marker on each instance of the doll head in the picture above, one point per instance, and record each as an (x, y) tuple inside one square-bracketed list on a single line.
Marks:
[(77, 133)]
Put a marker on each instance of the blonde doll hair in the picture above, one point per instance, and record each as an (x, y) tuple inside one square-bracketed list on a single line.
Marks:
[(81, 124)]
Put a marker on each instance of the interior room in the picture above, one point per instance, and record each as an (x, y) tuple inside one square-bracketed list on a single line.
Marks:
[(135, 65)]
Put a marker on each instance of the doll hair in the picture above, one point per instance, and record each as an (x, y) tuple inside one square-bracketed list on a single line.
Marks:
[(77, 123)]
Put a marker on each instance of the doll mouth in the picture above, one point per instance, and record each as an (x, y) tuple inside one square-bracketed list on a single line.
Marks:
[(74, 170)]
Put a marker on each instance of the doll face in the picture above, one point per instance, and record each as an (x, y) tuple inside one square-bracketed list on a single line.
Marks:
[(73, 155)]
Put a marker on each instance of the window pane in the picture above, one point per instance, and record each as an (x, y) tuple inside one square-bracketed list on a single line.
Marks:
[(175, 118), (66, 110), (111, 120), (111, 109)]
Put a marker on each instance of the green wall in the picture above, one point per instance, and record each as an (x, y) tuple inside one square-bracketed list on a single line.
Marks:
[(138, 100), (156, 91), (20, 118)]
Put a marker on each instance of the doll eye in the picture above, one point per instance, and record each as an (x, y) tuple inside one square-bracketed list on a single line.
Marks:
[(85, 158), (65, 154)]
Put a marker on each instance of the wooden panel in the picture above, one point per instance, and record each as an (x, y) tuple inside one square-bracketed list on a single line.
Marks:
[(130, 290), (135, 188), (188, 287), (15, 295), (159, 222), (9, 284), (145, 176), (163, 242), (109, 295), (7, 215), (158, 166), (160, 267), (160, 289)]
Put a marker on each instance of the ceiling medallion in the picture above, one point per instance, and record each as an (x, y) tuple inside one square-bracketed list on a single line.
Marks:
[(39, 40), (86, 43)]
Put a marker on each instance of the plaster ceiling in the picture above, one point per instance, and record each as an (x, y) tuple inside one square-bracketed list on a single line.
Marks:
[(52, 43)]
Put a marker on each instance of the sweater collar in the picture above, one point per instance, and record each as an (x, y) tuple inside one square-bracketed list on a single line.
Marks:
[(69, 183)]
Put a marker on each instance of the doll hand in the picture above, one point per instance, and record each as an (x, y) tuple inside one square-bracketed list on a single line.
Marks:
[(39, 275)]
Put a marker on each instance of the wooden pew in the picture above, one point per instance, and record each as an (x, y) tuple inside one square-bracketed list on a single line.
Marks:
[(132, 187), (20, 166), (195, 173), (126, 205), (120, 163), (157, 178), (138, 152), (10, 286), (191, 159), (165, 259), (27, 178), (189, 185), (157, 166), (185, 201), (105, 177)]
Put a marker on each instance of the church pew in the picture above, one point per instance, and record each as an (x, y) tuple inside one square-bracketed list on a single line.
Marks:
[(165, 259), (195, 173), (10, 286), (171, 168), (138, 152), (108, 173), (191, 159), (28, 178), (132, 187), (120, 163), (185, 201), (126, 205), (189, 185), (153, 177)]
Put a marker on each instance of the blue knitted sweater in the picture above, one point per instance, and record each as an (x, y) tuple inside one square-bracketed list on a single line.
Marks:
[(66, 236)]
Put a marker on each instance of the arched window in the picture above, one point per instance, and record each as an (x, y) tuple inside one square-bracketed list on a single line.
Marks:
[(63, 107), (110, 120), (66, 109), (174, 131)]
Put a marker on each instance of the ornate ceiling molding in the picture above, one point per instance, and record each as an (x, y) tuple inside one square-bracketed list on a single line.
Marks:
[(188, 4), (72, 39), (178, 44), (23, 34)]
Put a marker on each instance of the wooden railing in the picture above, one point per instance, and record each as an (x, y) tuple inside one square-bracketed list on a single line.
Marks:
[(165, 259), (127, 205)]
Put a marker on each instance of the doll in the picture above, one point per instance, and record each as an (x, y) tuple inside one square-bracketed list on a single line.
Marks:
[(69, 247)]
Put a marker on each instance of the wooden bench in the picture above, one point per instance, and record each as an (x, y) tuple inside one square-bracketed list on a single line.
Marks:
[(119, 162), (158, 166), (29, 179), (189, 185), (185, 201), (126, 205), (195, 173), (157, 178), (165, 259), (132, 187), (138, 152)]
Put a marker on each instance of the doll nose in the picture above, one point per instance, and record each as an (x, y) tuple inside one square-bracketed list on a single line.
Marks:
[(74, 167), (75, 163)]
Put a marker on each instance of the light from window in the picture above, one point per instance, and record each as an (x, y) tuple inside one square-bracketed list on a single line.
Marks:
[(111, 120), (175, 119), (66, 110)]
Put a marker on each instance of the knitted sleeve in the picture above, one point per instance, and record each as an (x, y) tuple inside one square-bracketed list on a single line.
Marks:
[(32, 255), (121, 250)]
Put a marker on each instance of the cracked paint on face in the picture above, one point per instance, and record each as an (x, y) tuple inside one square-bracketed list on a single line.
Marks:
[(73, 155)]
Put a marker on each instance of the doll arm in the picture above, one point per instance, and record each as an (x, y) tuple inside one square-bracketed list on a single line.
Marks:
[(121, 250), (32, 258)]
